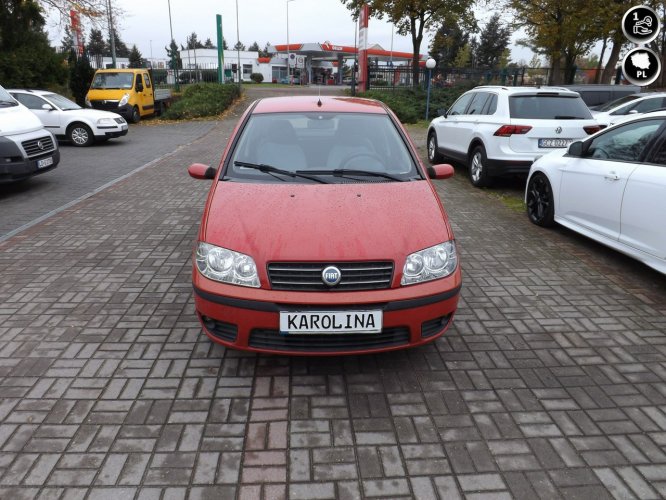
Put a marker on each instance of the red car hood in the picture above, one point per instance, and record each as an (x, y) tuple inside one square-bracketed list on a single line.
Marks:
[(330, 222)]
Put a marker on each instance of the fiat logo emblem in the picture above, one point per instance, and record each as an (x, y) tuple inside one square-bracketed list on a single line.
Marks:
[(331, 276), (558, 130)]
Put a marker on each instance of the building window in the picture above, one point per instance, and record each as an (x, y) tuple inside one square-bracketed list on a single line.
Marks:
[(279, 73), (247, 71)]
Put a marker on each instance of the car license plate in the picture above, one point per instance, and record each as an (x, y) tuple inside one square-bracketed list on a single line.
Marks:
[(554, 143), (330, 322), (45, 162)]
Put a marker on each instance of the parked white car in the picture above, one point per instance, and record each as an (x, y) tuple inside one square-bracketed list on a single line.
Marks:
[(66, 119), (610, 187), (633, 105), (499, 131), (26, 148)]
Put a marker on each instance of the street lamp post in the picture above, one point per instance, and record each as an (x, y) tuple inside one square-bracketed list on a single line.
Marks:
[(289, 77), (430, 63)]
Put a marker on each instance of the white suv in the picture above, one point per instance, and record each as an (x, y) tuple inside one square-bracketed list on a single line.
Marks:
[(499, 131)]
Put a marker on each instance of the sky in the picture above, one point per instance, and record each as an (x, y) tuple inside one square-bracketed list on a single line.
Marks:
[(146, 24)]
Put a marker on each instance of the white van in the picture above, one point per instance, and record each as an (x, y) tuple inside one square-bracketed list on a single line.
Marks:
[(26, 147)]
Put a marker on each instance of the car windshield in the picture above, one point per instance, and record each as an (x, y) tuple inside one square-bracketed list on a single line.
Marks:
[(548, 107), (333, 147), (618, 102), (113, 81), (62, 102)]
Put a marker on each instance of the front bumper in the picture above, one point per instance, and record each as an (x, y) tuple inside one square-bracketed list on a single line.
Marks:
[(412, 316), (111, 132), (125, 111), (21, 168)]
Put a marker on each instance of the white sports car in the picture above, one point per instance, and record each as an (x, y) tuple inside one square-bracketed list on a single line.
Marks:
[(610, 187)]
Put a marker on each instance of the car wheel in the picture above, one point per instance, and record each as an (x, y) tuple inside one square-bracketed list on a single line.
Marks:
[(540, 203), (80, 135), (136, 116), (434, 156), (478, 168)]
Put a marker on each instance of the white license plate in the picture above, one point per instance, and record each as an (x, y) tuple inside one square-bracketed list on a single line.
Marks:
[(331, 322), (45, 162), (554, 143)]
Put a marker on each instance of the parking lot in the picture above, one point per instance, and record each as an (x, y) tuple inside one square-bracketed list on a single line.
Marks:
[(550, 383)]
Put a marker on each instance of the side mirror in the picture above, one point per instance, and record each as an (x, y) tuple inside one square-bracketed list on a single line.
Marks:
[(201, 171), (442, 171), (47, 107), (576, 149), (139, 87), (633, 112), (441, 112)]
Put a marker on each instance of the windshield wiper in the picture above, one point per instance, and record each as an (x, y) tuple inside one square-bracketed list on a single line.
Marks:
[(342, 172), (262, 167), (8, 103)]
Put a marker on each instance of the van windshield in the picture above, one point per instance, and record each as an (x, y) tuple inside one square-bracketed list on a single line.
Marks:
[(6, 99), (113, 81)]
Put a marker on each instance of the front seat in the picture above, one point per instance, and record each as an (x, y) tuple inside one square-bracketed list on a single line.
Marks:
[(279, 147), (349, 142)]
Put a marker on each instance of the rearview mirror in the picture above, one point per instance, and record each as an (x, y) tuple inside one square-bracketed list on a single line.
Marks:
[(442, 171), (201, 171)]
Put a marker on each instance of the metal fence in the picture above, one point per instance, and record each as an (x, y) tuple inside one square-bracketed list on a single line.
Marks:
[(386, 78)]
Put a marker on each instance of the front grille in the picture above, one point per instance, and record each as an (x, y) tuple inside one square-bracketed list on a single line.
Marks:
[(273, 340), (307, 276), (433, 326), (105, 105), (225, 331), (36, 147)]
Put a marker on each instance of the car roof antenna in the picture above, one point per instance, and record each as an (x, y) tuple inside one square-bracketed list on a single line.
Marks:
[(319, 97)]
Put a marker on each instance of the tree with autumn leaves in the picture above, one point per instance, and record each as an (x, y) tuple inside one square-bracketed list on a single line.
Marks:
[(565, 30)]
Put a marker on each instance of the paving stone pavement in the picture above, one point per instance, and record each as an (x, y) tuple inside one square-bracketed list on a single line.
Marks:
[(550, 384)]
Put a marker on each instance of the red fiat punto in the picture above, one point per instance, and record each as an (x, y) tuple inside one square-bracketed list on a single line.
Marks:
[(322, 234)]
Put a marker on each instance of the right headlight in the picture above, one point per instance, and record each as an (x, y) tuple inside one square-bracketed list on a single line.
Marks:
[(430, 264), (227, 266), (123, 100)]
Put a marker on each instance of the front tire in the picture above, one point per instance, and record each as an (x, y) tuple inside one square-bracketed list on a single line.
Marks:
[(136, 116), (80, 135), (478, 168), (540, 201), (434, 156)]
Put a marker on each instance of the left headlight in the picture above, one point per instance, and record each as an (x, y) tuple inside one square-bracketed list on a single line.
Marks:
[(106, 121), (227, 266), (430, 264)]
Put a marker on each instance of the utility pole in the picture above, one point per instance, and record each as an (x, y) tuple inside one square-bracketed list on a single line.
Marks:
[(112, 34), (174, 61), (238, 68)]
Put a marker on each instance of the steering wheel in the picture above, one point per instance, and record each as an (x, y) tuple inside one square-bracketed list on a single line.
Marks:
[(600, 153), (360, 154)]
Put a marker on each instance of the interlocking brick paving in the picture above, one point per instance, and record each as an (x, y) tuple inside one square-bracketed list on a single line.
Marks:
[(550, 384)]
